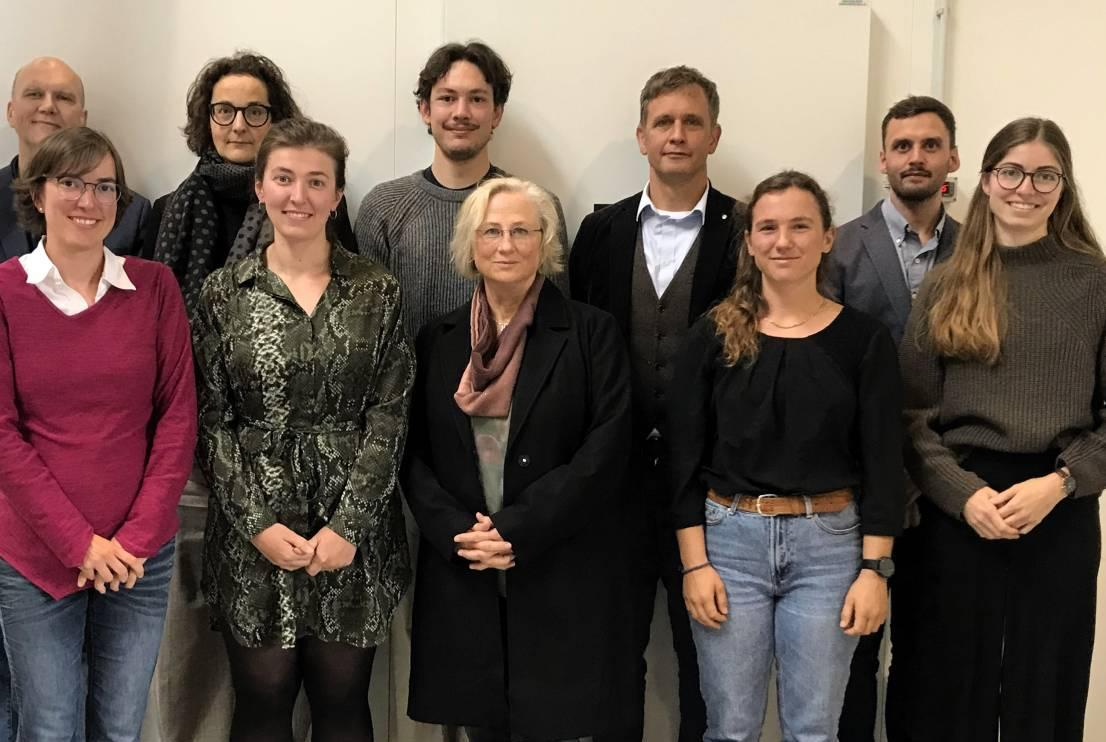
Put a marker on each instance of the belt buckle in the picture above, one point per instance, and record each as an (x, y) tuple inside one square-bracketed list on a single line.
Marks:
[(761, 512)]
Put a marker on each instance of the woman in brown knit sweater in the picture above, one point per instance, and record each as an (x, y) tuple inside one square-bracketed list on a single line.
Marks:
[(1004, 364)]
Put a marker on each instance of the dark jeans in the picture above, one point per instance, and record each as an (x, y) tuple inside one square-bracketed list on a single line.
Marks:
[(991, 635), (654, 556), (7, 713), (48, 641)]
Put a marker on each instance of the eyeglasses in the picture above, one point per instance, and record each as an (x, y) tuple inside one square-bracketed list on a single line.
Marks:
[(224, 113), (496, 234), (1011, 177), (70, 187)]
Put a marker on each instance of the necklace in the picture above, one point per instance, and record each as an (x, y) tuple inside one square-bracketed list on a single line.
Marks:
[(809, 317)]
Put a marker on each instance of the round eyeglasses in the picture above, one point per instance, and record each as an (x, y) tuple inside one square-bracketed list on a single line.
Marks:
[(1010, 177), (255, 114), (70, 187)]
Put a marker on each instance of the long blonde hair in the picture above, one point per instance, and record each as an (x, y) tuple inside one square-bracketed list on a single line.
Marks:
[(966, 318), (737, 317)]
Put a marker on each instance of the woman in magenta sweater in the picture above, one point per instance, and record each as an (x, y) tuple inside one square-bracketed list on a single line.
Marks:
[(97, 429)]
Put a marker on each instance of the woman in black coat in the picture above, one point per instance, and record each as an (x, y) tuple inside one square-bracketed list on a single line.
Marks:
[(519, 436)]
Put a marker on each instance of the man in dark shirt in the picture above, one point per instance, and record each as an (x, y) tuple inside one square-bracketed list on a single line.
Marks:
[(877, 263), (656, 261), (47, 95)]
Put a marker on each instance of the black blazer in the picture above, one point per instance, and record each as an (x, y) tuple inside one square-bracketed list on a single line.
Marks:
[(601, 264), (865, 272), (125, 237), (567, 450)]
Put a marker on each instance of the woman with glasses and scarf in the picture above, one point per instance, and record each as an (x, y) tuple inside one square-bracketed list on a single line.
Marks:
[(213, 217), (520, 430), (1004, 366)]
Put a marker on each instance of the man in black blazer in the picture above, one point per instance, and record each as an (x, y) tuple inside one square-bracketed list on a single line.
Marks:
[(47, 95), (877, 263), (657, 261)]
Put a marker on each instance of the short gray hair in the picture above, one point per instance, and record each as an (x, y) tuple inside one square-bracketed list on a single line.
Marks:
[(674, 78), (475, 208)]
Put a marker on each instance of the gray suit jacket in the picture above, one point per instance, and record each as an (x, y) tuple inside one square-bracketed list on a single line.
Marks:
[(124, 239), (864, 271)]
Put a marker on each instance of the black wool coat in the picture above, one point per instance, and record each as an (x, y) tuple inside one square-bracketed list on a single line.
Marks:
[(553, 674)]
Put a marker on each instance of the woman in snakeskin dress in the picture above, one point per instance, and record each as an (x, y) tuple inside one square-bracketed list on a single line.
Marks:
[(304, 384)]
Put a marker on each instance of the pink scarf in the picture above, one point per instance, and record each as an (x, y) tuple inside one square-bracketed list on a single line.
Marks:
[(488, 382)]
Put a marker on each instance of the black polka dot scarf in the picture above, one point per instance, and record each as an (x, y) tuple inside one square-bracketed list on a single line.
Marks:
[(186, 240)]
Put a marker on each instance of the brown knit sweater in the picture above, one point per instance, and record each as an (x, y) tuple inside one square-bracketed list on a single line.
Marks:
[(1046, 391)]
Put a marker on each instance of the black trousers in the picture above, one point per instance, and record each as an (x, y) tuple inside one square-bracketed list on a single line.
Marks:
[(991, 635), (653, 556), (859, 712)]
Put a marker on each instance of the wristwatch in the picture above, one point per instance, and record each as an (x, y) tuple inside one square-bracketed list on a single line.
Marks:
[(884, 566), (1067, 481)]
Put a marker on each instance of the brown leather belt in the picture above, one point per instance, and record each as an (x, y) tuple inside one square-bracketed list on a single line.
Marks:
[(833, 501)]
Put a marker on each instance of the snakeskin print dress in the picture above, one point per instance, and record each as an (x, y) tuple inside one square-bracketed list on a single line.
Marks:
[(302, 422)]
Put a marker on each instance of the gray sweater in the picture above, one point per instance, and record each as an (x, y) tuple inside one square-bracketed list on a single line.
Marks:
[(1045, 392), (406, 225)]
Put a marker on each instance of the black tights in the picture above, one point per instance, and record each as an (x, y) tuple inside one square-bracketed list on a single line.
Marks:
[(267, 682)]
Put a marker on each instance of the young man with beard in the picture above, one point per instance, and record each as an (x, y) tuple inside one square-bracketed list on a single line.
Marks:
[(877, 263), (657, 260), (47, 96), (406, 224)]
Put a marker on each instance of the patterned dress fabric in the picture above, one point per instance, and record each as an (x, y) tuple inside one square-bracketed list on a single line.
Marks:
[(302, 422)]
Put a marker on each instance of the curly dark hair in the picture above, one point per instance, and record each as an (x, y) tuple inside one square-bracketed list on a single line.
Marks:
[(66, 152), (197, 130), (493, 67)]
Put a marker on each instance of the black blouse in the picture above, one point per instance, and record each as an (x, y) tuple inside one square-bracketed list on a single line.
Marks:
[(810, 415)]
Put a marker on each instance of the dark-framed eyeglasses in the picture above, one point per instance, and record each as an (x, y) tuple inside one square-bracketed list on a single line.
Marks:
[(1010, 177), (518, 234), (70, 188), (255, 114)]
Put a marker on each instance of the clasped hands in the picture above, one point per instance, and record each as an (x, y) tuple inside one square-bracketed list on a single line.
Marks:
[(1016, 510), (483, 547), (324, 552), (108, 565)]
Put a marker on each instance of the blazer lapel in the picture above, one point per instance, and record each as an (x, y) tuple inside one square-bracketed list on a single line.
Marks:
[(544, 343), (885, 258), (948, 239), (456, 350), (623, 243), (712, 253)]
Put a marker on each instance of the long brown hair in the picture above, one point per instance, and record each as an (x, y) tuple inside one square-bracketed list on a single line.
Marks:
[(737, 317), (967, 315)]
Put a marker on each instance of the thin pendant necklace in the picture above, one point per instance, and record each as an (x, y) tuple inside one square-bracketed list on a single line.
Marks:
[(811, 316)]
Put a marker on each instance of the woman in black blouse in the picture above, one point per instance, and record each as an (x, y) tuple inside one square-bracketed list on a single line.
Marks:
[(787, 468)]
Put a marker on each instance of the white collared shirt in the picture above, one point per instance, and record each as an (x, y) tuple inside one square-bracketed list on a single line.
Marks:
[(667, 237), (42, 272)]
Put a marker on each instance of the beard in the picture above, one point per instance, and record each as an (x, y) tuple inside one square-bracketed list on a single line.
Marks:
[(914, 193), (460, 152)]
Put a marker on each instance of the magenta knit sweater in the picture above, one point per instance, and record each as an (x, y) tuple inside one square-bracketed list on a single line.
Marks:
[(97, 422)]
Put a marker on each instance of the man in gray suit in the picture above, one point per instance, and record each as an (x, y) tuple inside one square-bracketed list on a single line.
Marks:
[(47, 95), (877, 264)]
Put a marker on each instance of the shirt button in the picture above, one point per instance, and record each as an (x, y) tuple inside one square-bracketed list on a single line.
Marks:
[(524, 461), (917, 260)]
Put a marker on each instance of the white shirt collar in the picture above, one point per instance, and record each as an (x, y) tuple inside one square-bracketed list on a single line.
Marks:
[(39, 267), (700, 207)]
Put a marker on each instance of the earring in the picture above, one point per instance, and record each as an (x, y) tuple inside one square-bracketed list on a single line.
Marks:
[(334, 214)]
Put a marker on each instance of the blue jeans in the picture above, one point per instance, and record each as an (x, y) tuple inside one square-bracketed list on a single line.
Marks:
[(786, 578), (50, 643), (7, 718)]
